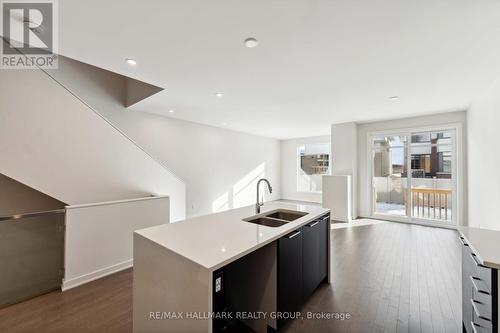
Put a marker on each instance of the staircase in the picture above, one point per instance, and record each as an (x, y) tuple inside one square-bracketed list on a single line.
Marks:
[(55, 141)]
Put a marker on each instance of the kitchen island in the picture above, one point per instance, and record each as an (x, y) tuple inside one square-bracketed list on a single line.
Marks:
[(187, 275)]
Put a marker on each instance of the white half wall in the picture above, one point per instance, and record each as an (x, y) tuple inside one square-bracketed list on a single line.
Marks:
[(338, 197), (99, 237), (483, 124), (289, 169)]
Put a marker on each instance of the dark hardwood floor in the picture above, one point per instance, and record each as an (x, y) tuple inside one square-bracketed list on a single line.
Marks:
[(390, 277), (102, 306)]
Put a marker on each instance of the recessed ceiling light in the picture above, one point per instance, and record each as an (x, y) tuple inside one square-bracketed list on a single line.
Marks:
[(219, 94), (131, 62), (251, 42), (170, 111), (394, 97)]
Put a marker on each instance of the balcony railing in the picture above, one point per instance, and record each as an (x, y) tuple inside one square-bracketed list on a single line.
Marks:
[(430, 203)]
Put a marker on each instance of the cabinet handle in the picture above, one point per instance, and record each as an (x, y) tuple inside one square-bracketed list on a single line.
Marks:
[(474, 259), (462, 240), (474, 285), (293, 235), (473, 324), (325, 218), (476, 311), (310, 225)]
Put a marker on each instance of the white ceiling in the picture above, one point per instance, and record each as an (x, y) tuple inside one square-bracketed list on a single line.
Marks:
[(318, 62)]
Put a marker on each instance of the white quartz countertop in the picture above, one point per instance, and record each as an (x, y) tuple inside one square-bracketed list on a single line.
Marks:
[(215, 240), (484, 243)]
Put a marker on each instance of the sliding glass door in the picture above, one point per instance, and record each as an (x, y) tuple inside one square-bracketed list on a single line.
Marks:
[(389, 174), (414, 176), (432, 179)]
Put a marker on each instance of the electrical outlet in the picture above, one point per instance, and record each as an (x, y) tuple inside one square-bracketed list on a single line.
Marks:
[(218, 284)]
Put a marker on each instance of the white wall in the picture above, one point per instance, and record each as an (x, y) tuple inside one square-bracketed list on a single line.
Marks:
[(99, 237), (337, 195), (483, 123), (345, 161), (289, 169), (54, 143), (219, 167), (425, 123)]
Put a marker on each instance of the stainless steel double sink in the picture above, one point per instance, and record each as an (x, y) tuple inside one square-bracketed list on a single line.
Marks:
[(275, 218)]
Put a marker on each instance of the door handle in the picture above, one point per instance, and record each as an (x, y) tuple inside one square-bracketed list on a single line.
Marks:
[(310, 225), (293, 235)]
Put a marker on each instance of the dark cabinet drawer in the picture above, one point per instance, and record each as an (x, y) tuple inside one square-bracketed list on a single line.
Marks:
[(480, 324), (476, 328), (483, 304), (482, 275)]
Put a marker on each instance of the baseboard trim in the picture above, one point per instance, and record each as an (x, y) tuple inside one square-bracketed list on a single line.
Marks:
[(338, 219), (100, 273), (414, 222)]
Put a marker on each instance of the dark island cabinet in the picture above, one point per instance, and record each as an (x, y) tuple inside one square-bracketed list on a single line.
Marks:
[(302, 264), (290, 272), (315, 256)]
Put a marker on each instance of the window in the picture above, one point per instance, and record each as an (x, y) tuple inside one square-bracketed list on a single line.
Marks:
[(432, 154), (313, 161)]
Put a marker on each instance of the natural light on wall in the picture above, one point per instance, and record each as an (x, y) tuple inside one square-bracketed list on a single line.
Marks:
[(242, 192), (313, 162), (244, 189), (221, 203)]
